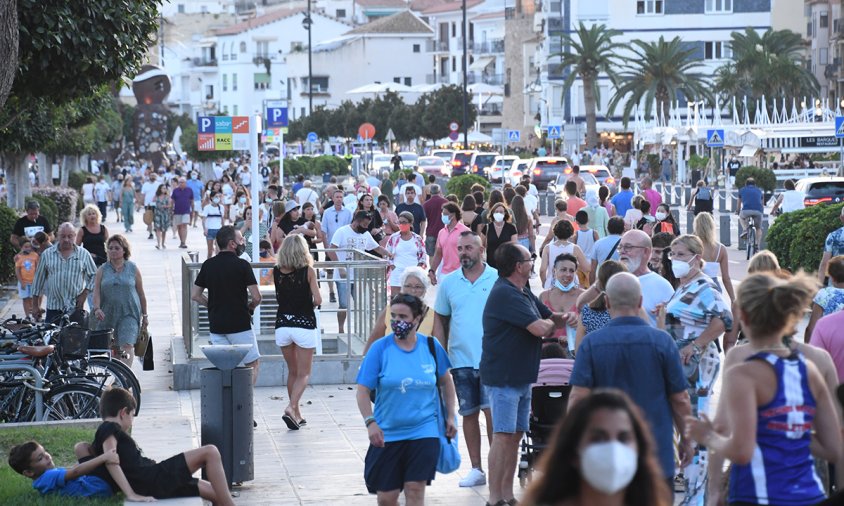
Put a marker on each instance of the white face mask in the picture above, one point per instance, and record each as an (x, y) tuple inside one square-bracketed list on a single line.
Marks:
[(446, 219), (608, 467), (661, 215), (680, 268), (499, 217)]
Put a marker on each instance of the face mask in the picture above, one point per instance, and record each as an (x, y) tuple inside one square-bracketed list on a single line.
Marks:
[(446, 219), (499, 217), (215, 200), (680, 268), (265, 254), (268, 200), (193, 176), (360, 229), (608, 467), (242, 200), (401, 328), (240, 249), (565, 288), (404, 227), (661, 216)]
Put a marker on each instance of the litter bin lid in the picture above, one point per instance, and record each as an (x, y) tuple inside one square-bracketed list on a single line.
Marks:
[(226, 356)]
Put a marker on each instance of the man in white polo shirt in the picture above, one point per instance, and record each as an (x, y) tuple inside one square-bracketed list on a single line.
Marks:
[(634, 251)]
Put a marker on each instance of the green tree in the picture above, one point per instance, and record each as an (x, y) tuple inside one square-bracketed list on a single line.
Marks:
[(658, 72), (435, 110), (770, 64), (591, 52)]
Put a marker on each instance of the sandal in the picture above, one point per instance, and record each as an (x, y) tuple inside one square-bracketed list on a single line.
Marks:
[(302, 422), (290, 422)]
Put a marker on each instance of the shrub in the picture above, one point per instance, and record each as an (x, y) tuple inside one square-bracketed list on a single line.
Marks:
[(48, 210), (66, 201), (8, 217), (797, 238), (77, 178), (462, 185), (765, 178)]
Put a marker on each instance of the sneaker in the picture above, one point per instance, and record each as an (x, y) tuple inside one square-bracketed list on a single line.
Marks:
[(332, 298), (150, 236), (475, 478)]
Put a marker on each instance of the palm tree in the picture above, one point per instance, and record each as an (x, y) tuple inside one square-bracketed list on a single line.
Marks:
[(591, 53), (770, 64), (659, 71)]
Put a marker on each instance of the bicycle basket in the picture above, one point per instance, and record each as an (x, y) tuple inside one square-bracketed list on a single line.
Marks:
[(101, 339), (74, 342)]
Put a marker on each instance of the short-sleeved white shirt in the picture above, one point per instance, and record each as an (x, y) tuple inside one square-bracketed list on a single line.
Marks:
[(655, 290), (345, 237)]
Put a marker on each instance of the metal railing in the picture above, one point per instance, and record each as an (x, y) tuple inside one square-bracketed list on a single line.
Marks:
[(368, 291), (488, 47)]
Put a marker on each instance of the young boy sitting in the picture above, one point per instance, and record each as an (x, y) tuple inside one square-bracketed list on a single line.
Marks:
[(141, 478), (85, 479), (25, 263)]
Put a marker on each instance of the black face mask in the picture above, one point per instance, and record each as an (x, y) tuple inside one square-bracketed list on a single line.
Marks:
[(240, 249), (360, 229)]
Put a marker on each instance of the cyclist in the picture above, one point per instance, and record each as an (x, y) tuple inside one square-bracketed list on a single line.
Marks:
[(751, 205)]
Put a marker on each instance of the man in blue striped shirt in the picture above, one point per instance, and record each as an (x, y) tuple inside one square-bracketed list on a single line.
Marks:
[(65, 273)]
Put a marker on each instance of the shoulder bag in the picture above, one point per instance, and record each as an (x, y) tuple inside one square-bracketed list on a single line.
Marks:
[(449, 459)]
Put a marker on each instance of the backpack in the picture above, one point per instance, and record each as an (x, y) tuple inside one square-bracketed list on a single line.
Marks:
[(704, 193)]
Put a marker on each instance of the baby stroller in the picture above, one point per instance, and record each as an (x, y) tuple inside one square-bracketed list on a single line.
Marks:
[(547, 407)]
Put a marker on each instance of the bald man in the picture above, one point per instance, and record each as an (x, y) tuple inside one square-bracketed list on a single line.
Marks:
[(617, 357), (634, 251)]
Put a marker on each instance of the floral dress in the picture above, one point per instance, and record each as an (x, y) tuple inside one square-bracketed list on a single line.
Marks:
[(161, 216), (830, 299)]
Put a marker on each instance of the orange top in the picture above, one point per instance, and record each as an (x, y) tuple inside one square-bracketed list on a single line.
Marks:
[(27, 265)]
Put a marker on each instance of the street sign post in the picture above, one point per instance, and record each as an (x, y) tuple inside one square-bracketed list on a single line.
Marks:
[(367, 132), (276, 117), (554, 132), (839, 133), (514, 136), (715, 138), (312, 138)]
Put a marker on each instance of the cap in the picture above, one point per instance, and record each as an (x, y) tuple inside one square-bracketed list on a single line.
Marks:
[(33, 204)]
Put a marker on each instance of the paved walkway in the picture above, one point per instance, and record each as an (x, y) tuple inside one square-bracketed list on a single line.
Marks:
[(320, 464)]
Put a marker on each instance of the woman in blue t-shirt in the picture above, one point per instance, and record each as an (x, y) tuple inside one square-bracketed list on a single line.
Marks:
[(403, 432)]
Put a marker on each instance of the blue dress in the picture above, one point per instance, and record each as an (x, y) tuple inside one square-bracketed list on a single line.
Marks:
[(782, 470), (120, 302)]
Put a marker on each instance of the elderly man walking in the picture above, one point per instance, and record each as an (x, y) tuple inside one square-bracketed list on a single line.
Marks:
[(65, 273), (617, 355)]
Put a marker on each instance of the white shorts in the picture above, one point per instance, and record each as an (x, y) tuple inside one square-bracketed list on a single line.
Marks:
[(181, 219), (303, 338), (245, 337)]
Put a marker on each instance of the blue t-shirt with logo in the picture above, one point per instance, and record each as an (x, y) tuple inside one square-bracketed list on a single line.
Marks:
[(407, 401), (751, 198), (53, 482)]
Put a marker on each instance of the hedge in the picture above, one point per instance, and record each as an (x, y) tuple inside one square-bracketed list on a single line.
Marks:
[(765, 178), (797, 238), (8, 217), (48, 210), (313, 166), (65, 200), (462, 185), (77, 178)]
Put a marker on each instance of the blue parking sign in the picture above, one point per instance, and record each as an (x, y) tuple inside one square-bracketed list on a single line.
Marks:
[(206, 124), (276, 117)]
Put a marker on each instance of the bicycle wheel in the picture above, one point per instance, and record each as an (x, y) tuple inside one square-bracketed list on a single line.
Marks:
[(119, 375), (751, 242), (73, 401)]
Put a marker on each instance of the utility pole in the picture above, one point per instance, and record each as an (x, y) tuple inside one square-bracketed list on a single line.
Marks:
[(465, 78), (307, 22)]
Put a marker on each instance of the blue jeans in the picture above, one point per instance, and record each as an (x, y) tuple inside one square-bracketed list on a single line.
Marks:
[(510, 408)]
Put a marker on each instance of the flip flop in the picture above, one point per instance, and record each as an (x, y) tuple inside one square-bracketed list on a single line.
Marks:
[(302, 422), (291, 423)]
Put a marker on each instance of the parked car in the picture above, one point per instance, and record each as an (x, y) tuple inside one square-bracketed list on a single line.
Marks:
[(558, 185), (409, 159), (445, 154), (460, 162), (500, 169), (545, 169), (481, 163), (519, 168), (434, 165), (821, 190), (381, 161), (602, 174)]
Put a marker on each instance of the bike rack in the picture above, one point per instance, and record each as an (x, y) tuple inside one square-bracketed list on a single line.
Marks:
[(39, 384)]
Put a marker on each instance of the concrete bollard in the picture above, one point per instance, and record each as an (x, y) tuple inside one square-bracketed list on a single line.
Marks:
[(690, 222), (764, 232), (722, 201), (724, 228), (675, 213), (733, 201)]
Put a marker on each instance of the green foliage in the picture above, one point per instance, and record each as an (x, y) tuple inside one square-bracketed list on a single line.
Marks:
[(64, 199), (8, 217), (797, 238), (435, 110), (192, 150), (77, 178), (765, 178), (48, 210), (313, 166), (462, 185), (698, 162)]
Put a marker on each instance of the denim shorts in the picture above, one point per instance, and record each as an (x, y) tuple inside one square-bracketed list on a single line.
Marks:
[(245, 337), (25, 291), (398, 462), (212, 234), (430, 245), (471, 393), (343, 294), (510, 408)]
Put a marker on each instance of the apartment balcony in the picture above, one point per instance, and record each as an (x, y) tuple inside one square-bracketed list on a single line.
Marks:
[(204, 62), (437, 46), (494, 79), (489, 47), (458, 46), (491, 110), (436, 79)]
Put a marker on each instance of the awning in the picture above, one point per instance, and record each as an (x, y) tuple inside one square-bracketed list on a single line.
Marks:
[(481, 63), (748, 151)]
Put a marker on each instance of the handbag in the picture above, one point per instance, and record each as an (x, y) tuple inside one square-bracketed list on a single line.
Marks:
[(449, 459), (148, 217), (149, 361), (141, 342)]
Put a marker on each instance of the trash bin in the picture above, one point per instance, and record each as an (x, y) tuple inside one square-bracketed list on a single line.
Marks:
[(226, 410), (326, 176)]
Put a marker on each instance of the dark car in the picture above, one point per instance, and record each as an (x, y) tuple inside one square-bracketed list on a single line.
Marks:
[(482, 163), (821, 190), (545, 169), (460, 162)]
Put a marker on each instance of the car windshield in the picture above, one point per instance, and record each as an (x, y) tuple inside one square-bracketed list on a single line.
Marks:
[(409, 157), (381, 158), (484, 160), (428, 162), (588, 179), (463, 158), (503, 164), (550, 167), (445, 155), (826, 189)]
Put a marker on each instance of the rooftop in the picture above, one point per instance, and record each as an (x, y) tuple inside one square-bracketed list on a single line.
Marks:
[(451, 6), (401, 22)]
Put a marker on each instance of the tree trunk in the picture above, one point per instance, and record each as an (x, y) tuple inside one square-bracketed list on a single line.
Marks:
[(589, 103), (8, 47), (45, 169), (17, 179), (64, 172)]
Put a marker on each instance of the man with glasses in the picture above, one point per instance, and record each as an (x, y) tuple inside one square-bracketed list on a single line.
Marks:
[(514, 323), (333, 219), (459, 307), (635, 251)]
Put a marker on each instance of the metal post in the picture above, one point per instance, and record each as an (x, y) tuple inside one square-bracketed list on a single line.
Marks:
[(257, 184), (281, 157), (465, 78), (310, 64)]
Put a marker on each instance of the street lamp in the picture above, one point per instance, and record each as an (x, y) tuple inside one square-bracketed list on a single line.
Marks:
[(306, 23), (465, 78)]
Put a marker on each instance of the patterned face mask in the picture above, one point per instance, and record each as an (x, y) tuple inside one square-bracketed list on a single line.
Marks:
[(401, 328)]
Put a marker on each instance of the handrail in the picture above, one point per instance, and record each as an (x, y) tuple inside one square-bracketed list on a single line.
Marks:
[(39, 383)]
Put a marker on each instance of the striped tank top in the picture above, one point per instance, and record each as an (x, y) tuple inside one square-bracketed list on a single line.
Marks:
[(781, 471)]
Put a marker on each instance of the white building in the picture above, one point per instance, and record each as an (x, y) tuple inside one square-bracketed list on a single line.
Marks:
[(823, 29), (390, 49)]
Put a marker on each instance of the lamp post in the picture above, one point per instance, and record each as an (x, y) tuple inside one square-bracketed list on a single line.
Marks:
[(465, 78), (306, 23)]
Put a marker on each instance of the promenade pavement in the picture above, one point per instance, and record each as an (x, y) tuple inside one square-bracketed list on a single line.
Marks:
[(320, 464)]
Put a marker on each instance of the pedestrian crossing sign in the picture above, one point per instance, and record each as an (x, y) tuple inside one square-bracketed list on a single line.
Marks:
[(839, 127), (715, 138), (513, 136), (554, 132)]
